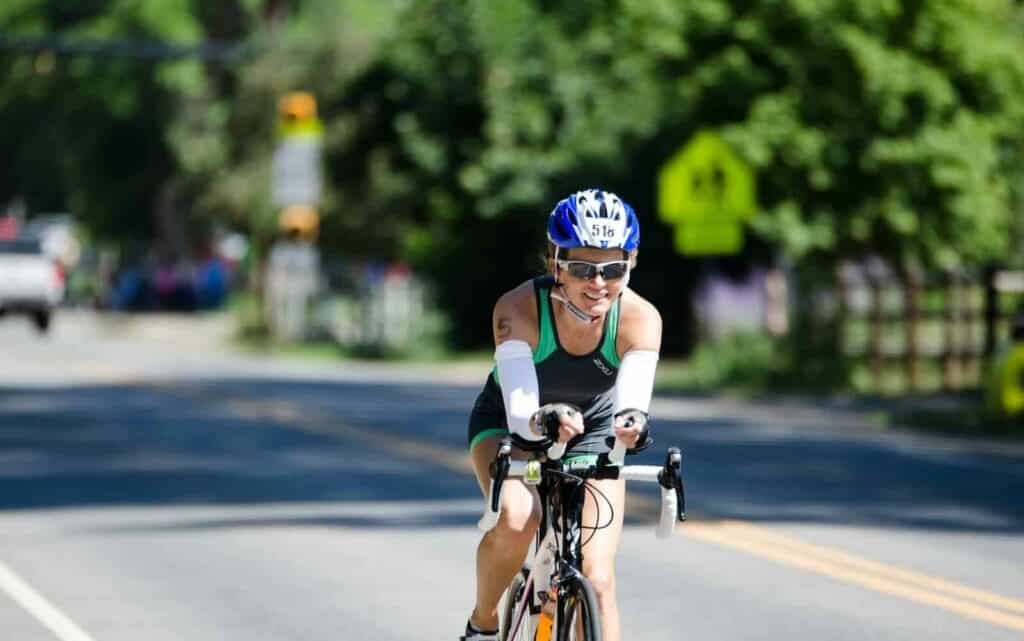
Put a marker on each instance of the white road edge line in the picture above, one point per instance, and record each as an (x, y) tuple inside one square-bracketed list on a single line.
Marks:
[(37, 605)]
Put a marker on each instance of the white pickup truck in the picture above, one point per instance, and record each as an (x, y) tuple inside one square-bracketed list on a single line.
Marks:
[(30, 282)]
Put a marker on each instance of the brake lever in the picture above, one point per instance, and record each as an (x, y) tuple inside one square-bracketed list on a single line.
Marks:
[(499, 472), (671, 477)]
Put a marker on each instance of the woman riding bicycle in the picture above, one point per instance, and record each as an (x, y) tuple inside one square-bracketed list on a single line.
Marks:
[(580, 344)]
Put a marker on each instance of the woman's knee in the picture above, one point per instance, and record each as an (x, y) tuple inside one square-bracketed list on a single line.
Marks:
[(519, 520), (520, 517), (601, 575)]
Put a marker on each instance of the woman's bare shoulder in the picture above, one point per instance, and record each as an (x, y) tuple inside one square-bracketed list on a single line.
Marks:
[(517, 297), (515, 315), (639, 324)]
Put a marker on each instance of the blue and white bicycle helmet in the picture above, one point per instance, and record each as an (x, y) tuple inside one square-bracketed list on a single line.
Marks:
[(594, 218)]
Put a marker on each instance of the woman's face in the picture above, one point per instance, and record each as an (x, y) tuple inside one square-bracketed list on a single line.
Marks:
[(596, 295)]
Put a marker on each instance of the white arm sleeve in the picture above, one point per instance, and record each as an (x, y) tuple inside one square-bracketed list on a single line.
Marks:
[(518, 379), (635, 382)]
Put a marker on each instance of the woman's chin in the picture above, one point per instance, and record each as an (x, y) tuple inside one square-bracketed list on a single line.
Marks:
[(596, 307)]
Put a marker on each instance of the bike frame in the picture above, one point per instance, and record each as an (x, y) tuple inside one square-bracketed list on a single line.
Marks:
[(552, 551)]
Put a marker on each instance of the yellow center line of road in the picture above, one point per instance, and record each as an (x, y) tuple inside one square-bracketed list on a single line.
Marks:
[(801, 555), (894, 573), (291, 414), (757, 541)]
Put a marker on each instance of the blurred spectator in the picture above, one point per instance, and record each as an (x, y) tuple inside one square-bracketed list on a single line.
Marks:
[(130, 290), (211, 282), (174, 289)]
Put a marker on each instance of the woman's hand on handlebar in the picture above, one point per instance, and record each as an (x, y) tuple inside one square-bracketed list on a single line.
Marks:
[(559, 422), (570, 427), (628, 431), (631, 434)]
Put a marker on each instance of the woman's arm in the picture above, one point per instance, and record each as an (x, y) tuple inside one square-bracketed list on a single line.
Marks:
[(640, 341), (516, 334)]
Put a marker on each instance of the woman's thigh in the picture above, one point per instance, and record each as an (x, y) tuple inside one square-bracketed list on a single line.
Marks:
[(602, 519)]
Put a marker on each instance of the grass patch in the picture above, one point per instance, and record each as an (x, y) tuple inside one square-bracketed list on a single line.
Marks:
[(322, 350)]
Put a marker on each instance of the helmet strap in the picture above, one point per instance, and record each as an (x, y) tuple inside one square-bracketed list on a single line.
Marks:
[(575, 311)]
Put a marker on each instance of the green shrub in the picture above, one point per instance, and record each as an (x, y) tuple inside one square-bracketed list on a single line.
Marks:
[(742, 360)]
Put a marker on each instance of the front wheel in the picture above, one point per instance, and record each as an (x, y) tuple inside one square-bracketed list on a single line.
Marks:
[(579, 617), (515, 616)]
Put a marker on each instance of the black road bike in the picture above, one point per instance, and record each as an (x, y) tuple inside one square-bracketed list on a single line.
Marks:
[(551, 599)]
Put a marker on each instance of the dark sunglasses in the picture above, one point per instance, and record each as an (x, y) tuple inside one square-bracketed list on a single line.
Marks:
[(612, 270)]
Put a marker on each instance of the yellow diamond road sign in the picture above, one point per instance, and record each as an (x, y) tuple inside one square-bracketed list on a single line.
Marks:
[(707, 191)]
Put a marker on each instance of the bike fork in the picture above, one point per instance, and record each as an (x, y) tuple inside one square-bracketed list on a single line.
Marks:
[(537, 595)]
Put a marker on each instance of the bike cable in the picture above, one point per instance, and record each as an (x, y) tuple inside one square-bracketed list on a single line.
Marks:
[(598, 496)]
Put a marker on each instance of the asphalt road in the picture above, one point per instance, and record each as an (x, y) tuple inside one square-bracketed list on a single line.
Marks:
[(154, 485)]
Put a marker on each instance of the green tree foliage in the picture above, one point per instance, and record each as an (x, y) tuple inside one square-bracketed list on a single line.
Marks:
[(86, 132), (875, 127), (885, 127), (224, 134), (452, 126)]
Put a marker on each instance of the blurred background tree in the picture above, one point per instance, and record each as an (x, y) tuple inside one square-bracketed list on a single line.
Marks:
[(875, 128), (452, 127), (86, 132)]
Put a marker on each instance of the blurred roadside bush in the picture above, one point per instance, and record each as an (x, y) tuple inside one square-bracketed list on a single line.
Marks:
[(754, 362), (741, 361)]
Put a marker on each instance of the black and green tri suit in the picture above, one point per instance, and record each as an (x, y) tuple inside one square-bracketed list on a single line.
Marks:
[(586, 381)]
